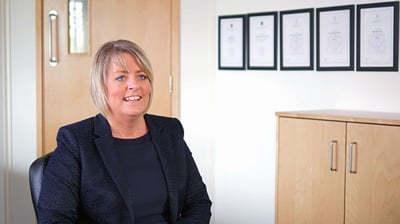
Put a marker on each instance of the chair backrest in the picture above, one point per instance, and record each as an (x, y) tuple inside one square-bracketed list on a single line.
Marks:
[(36, 171)]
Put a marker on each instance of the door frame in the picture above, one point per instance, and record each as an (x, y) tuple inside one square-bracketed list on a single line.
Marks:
[(175, 67)]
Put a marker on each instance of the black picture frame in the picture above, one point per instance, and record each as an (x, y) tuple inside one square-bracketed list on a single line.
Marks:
[(231, 42), (335, 38), (297, 45), (374, 39), (264, 39)]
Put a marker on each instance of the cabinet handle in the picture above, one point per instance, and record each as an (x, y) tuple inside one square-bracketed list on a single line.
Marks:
[(333, 142), (52, 18), (351, 170)]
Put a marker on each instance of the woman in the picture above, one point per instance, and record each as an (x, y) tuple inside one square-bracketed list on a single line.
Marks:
[(123, 165)]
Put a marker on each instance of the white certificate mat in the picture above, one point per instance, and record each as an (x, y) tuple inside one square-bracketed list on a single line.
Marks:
[(231, 42), (334, 38), (262, 41), (297, 39), (378, 36)]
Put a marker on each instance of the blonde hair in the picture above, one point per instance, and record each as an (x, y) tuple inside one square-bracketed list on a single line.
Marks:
[(111, 52)]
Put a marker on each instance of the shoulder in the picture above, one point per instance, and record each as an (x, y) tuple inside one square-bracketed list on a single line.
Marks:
[(83, 129), (163, 123), (160, 119), (84, 124)]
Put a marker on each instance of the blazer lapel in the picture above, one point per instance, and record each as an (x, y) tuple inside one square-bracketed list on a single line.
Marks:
[(163, 146), (105, 146)]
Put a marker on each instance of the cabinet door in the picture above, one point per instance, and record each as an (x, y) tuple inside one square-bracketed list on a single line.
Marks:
[(373, 186), (308, 191)]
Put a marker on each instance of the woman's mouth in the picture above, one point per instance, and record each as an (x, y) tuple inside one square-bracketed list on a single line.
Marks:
[(132, 98)]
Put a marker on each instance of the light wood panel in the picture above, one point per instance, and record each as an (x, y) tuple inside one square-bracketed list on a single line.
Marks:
[(308, 190), (371, 117), (373, 191)]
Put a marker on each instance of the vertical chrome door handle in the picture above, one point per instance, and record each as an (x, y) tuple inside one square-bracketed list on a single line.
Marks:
[(331, 154), (351, 152), (52, 38)]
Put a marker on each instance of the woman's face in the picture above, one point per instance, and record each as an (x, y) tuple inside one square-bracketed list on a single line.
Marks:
[(128, 88)]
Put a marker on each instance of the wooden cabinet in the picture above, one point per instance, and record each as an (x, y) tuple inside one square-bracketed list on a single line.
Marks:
[(338, 167)]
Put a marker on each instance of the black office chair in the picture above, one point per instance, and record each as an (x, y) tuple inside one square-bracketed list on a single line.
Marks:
[(36, 171)]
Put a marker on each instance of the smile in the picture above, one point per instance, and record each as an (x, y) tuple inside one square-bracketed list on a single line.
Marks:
[(132, 98)]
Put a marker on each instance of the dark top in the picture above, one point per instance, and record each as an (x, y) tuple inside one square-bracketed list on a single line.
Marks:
[(84, 178), (145, 179)]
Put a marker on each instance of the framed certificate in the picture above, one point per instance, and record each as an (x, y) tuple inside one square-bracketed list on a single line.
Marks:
[(378, 36), (231, 42), (297, 39), (262, 41), (335, 38)]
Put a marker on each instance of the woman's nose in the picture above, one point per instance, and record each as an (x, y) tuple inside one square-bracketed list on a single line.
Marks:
[(132, 85)]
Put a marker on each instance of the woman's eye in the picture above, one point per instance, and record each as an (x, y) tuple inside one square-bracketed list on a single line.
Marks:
[(142, 77), (120, 78)]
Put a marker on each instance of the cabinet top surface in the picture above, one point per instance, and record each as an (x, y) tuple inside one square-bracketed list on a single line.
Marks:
[(345, 116)]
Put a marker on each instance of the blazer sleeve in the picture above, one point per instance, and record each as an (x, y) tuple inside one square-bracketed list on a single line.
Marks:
[(59, 197), (196, 204)]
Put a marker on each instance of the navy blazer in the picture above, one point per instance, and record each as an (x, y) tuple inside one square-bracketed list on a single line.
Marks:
[(83, 179)]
